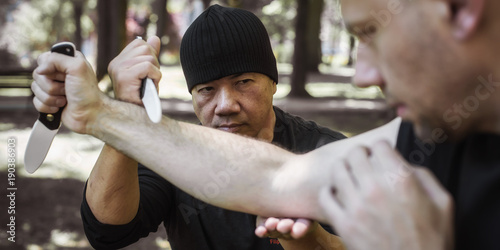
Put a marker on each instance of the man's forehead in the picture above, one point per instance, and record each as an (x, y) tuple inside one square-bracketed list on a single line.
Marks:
[(357, 11)]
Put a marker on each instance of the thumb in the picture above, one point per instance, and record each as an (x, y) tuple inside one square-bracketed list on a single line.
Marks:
[(155, 42)]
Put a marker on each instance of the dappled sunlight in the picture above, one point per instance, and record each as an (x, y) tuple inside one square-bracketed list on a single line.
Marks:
[(67, 239)]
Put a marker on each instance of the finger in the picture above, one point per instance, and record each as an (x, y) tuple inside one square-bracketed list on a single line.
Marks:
[(131, 46), (155, 43), (301, 228), (344, 183), (390, 167), (47, 99), (42, 58), (54, 63), (136, 59), (147, 70), (331, 207), (261, 232), (271, 223), (41, 107), (360, 166), (49, 86), (139, 47), (433, 188), (285, 226)]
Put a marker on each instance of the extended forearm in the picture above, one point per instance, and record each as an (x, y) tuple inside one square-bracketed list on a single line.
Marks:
[(220, 168), (113, 188), (224, 169)]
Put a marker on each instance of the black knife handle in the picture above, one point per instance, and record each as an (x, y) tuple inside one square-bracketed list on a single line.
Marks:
[(65, 48), (53, 121)]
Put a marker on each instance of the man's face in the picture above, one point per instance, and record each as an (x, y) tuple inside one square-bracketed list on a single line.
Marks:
[(407, 48), (240, 104)]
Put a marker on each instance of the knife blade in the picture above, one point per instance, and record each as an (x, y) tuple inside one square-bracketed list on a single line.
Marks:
[(46, 126), (150, 98)]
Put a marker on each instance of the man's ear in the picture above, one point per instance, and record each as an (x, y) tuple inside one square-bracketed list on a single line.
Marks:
[(466, 17)]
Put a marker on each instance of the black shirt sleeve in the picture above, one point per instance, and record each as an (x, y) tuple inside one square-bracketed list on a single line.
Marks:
[(156, 195)]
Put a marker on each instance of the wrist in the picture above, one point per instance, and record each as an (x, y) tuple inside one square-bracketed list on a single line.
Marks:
[(94, 125)]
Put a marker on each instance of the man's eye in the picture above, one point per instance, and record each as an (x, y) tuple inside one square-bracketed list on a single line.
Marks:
[(367, 34), (205, 90), (243, 81)]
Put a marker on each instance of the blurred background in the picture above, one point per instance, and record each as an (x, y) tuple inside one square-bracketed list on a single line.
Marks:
[(315, 62)]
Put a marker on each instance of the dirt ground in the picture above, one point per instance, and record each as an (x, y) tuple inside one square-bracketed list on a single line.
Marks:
[(47, 213)]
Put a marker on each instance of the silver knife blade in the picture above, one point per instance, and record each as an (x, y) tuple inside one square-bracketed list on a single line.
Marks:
[(38, 145), (47, 125), (151, 100)]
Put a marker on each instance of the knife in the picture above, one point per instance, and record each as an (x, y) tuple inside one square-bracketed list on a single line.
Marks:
[(150, 98), (47, 125)]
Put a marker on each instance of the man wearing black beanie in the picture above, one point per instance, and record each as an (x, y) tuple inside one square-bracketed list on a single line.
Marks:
[(232, 75)]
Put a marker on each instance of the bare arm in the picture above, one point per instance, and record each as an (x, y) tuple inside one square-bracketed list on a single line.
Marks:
[(238, 173), (113, 192), (113, 188)]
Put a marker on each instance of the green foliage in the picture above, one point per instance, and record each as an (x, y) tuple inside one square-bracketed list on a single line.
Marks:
[(278, 17), (37, 24)]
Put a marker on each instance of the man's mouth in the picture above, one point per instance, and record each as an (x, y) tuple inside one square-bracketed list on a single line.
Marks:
[(230, 127)]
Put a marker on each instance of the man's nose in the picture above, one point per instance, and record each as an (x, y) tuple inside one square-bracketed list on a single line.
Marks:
[(227, 102), (367, 73)]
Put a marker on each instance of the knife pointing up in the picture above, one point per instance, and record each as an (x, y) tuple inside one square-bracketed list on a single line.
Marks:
[(47, 125)]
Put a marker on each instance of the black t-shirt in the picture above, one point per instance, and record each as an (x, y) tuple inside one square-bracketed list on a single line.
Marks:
[(470, 171), (190, 223)]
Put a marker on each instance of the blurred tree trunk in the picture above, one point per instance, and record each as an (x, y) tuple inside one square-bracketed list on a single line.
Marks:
[(160, 9), (299, 74), (352, 45), (206, 3), (111, 32), (313, 30), (166, 28), (78, 12)]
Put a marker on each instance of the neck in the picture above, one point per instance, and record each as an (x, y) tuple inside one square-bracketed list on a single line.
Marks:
[(267, 132), (486, 117)]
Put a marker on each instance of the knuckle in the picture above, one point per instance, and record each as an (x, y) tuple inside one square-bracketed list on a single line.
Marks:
[(33, 86), (144, 49), (53, 89)]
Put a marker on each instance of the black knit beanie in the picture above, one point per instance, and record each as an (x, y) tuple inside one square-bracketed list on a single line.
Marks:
[(225, 41)]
